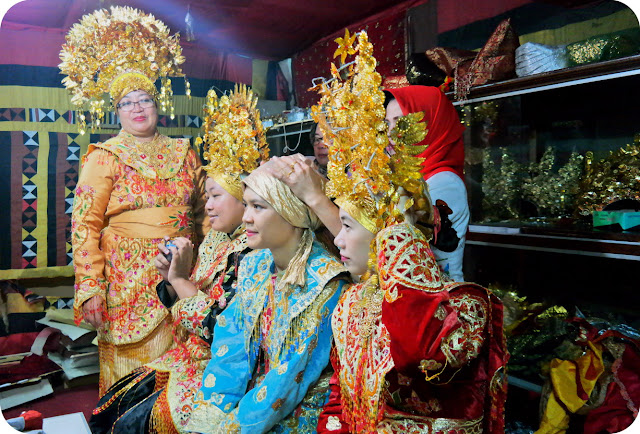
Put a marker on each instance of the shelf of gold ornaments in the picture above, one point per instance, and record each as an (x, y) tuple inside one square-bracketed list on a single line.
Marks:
[(606, 70)]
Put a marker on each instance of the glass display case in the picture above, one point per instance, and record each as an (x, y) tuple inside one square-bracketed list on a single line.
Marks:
[(529, 145)]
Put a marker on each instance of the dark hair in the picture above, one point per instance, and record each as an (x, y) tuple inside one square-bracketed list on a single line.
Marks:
[(312, 132), (388, 97)]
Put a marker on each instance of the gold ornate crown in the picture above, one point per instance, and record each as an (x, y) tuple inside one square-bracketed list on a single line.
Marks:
[(364, 179), (234, 139), (117, 53)]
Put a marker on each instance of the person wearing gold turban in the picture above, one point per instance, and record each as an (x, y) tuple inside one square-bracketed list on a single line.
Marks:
[(134, 189), (271, 345), (158, 396), (413, 352)]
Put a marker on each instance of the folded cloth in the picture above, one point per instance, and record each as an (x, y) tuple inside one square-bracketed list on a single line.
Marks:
[(494, 62), (532, 58)]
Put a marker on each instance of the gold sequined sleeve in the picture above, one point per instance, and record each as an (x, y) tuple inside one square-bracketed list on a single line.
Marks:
[(87, 220)]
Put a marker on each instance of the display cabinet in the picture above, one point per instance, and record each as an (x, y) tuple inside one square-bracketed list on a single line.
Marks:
[(526, 141)]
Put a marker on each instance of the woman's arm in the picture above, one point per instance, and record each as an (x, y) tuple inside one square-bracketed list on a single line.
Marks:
[(447, 331), (286, 384), (87, 221)]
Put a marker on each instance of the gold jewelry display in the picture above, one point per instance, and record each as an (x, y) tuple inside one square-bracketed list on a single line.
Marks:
[(615, 177), (118, 52), (234, 140)]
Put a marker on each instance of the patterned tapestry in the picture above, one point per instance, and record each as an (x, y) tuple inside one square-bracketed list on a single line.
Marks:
[(387, 36), (41, 152)]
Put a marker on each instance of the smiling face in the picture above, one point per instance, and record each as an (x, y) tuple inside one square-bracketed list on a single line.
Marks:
[(224, 210), (321, 147), (266, 229), (354, 242), (139, 121)]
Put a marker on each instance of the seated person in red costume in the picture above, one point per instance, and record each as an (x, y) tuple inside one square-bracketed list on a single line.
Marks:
[(412, 352), (442, 161)]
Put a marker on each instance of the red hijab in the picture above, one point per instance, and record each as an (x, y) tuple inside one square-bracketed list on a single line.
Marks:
[(446, 149)]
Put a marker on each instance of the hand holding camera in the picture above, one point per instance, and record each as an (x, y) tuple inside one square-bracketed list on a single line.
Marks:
[(169, 256)]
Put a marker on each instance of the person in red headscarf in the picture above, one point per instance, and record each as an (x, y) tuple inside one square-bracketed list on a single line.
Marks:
[(443, 164)]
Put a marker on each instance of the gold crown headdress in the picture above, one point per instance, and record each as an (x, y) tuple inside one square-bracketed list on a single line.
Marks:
[(117, 53), (234, 139), (364, 179)]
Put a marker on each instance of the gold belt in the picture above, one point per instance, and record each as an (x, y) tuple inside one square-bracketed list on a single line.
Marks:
[(157, 222)]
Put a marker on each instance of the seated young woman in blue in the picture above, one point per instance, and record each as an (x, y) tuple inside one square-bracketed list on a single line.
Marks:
[(273, 341)]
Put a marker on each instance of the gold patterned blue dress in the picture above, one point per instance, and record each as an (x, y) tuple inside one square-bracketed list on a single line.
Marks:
[(269, 350)]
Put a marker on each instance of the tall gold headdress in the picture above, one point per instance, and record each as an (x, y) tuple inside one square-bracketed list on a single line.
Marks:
[(234, 140), (364, 179), (117, 53)]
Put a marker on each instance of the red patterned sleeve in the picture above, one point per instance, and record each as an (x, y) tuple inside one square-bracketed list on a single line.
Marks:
[(430, 329)]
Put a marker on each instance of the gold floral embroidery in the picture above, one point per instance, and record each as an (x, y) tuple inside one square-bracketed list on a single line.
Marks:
[(222, 321), (210, 381), (299, 377), (283, 368), (429, 365), (441, 313), (277, 404), (262, 394), (222, 350), (333, 423)]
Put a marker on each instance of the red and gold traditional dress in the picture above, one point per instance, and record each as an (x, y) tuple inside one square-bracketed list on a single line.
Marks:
[(413, 354), (129, 196)]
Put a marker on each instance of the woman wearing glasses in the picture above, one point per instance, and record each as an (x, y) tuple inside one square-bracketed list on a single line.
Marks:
[(134, 190)]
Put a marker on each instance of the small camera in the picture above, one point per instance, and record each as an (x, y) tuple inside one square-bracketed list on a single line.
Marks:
[(169, 255)]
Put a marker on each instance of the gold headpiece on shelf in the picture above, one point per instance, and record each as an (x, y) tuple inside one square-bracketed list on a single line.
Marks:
[(117, 53), (615, 177), (234, 140), (364, 179)]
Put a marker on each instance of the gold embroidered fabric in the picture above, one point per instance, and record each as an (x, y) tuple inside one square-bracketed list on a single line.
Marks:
[(425, 425), (398, 266), (160, 158)]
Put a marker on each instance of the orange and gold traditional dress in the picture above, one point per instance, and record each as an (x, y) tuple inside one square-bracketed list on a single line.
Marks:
[(129, 196)]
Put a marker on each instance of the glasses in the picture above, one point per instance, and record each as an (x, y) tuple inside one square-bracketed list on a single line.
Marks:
[(127, 106)]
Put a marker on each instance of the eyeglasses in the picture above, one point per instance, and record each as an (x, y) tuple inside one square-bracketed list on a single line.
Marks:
[(145, 103)]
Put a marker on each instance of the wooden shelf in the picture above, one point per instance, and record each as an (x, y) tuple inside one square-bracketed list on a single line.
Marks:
[(550, 80), (624, 245)]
